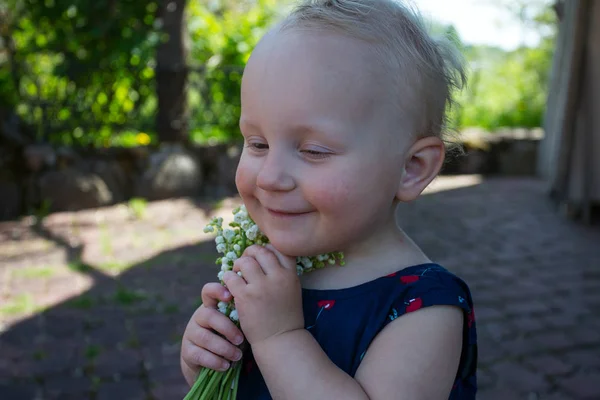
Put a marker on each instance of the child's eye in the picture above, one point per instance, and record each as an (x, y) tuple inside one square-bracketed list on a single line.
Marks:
[(258, 146), (315, 153)]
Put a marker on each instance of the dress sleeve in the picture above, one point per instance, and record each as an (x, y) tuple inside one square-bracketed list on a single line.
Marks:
[(436, 286), (430, 287)]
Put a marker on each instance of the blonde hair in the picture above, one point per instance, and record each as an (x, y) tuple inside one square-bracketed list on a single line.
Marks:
[(410, 57)]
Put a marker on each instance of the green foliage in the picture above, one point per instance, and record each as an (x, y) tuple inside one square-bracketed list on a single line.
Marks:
[(84, 69), (82, 72), (137, 207), (222, 37), (509, 89), (507, 92)]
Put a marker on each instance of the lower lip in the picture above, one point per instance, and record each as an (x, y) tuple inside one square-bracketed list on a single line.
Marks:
[(285, 215)]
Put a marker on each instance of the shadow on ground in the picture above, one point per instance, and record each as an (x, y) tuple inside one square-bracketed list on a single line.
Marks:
[(535, 278)]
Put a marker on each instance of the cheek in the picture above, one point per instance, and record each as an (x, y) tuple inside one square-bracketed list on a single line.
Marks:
[(245, 177), (350, 195), (331, 196)]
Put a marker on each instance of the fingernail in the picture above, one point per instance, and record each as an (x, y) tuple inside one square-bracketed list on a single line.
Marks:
[(226, 293), (224, 366), (237, 356), (238, 340)]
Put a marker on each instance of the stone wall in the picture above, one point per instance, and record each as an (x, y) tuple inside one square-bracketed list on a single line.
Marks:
[(507, 152), (61, 179)]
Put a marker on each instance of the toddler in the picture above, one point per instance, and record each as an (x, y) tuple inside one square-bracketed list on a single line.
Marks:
[(343, 111)]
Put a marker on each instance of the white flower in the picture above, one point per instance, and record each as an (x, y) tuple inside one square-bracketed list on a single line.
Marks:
[(306, 263), (209, 229), (220, 275), (239, 273), (322, 257), (237, 247), (221, 248), (252, 232), (225, 266), (229, 234), (299, 269), (241, 216), (234, 315), (222, 307), (232, 256), (219, 240), (245, 225)]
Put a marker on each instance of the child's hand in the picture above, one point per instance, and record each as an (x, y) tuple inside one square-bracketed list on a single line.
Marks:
[(268, 296), (201, 346)]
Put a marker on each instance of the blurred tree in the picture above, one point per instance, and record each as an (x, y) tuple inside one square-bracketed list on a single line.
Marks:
[(172, 73)]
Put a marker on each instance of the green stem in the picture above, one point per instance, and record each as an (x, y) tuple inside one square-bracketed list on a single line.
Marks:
[(223, 387), (236, 380), (192, 394), (243, 239), (208, 392)]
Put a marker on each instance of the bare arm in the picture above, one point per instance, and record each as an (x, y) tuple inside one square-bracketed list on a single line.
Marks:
[(415, 357), (295, 367)]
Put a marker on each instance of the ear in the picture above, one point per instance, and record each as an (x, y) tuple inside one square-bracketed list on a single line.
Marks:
[(423, 162)]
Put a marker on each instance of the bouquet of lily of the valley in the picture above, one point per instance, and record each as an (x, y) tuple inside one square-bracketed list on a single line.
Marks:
[(231, 242)]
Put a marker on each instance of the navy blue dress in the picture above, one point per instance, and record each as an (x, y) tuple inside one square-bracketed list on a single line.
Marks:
[(345, 321)]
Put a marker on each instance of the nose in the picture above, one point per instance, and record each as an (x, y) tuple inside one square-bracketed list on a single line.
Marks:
[(274, 174)]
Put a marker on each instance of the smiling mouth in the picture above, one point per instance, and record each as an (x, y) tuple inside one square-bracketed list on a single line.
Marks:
[(286, 214)]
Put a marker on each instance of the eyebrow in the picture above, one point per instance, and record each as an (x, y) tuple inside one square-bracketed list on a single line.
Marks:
[(314, 127)]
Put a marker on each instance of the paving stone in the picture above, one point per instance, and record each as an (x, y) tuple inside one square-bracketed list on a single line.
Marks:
[(549, 365), (18, 391), (485, 314), (499, 394), (485, 380), (111, 362), (66, 386), (127, 389), (586, 358), (561, 320), (522, 307), (518, 378), (527, 325), (553, 340), (168, 391), (583, 387), (583, 335)]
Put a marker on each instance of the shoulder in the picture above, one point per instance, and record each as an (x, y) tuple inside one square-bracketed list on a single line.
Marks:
[(430, 310), (428, 285)]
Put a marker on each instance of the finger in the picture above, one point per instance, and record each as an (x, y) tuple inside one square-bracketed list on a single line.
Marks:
[(250, 268), (267, 260), (214, 292), (235, 284), (195, 356), (285, 261), (212, 319), (208, 340)]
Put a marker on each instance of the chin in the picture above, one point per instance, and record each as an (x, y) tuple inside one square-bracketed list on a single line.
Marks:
[(297, 248)]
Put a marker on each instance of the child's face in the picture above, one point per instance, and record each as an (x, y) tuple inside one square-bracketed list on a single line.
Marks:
[(322, 160)]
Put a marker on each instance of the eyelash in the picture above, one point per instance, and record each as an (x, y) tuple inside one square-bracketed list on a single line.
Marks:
[(312, 153)]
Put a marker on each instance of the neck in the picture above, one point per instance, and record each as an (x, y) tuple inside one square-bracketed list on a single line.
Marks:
[(387, 251)]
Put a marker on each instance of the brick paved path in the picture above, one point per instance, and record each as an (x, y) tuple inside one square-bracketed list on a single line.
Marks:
[(93, 304)]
